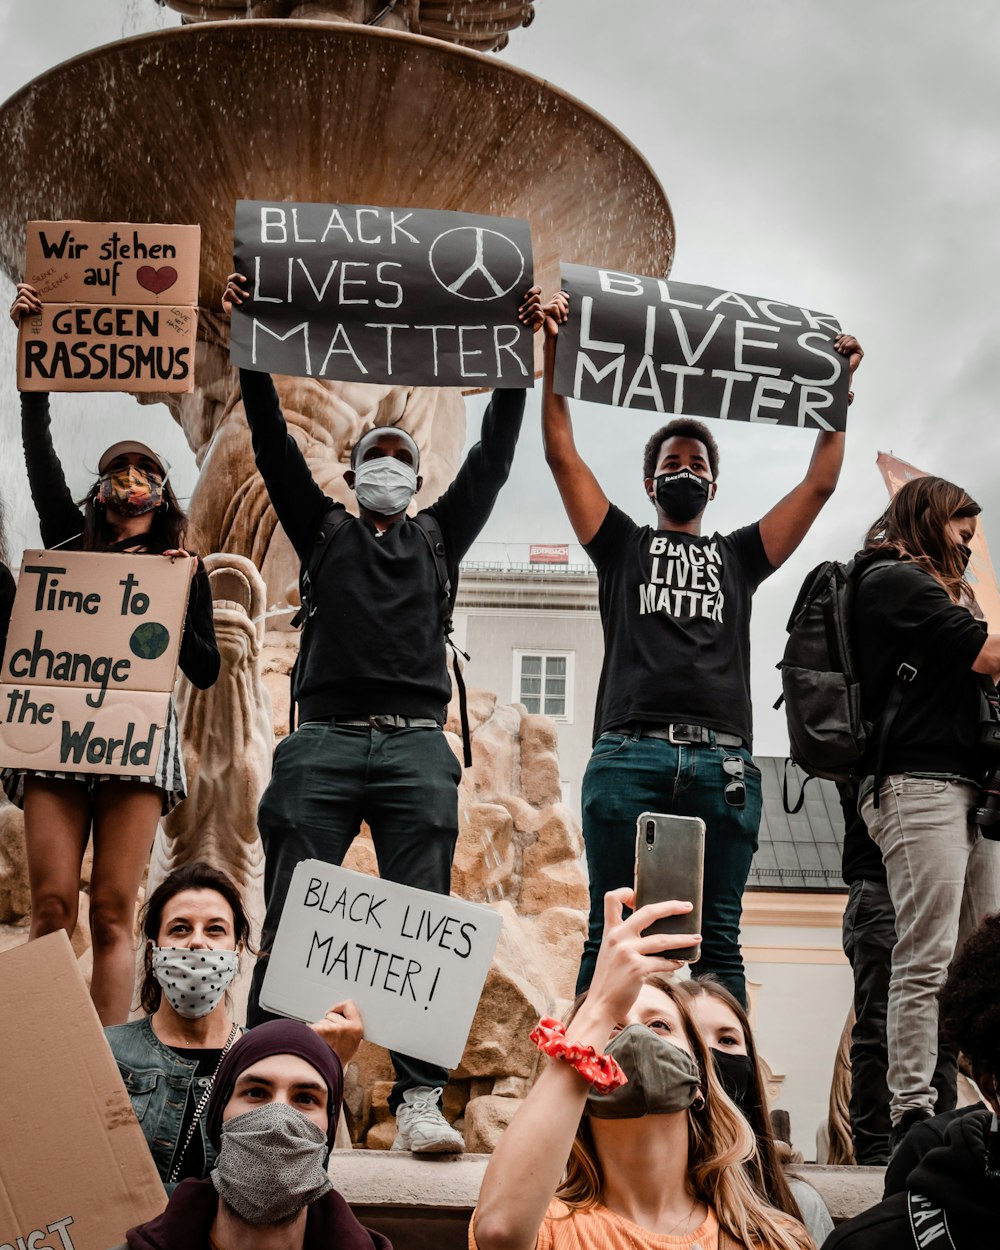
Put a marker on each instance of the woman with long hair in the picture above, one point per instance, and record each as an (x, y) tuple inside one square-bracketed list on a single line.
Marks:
[(592, 1162), (725, 1027), (130, 508), (927, 670)]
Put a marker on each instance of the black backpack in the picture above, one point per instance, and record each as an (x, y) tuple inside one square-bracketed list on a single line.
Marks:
[(427, 524), (828, 734)]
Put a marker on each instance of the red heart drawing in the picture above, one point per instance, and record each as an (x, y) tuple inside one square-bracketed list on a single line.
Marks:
[(156, 280)]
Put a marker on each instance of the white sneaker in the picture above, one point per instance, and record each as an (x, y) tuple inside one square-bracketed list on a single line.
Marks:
[(422, 1128)]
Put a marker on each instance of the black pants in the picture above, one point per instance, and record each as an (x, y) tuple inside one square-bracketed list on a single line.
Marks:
[(326, 780), (869, 936)]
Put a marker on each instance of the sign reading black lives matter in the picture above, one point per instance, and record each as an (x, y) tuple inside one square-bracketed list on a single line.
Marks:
[(414, 962), (90, 661), (697, 351), (411, 296)]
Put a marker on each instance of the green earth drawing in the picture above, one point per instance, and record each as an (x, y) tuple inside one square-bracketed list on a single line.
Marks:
[(149, 640)]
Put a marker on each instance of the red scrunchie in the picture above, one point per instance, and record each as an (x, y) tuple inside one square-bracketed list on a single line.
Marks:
[(602, 1071)]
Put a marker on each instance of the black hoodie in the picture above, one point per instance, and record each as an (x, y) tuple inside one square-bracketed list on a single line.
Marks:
[(953, 1179)]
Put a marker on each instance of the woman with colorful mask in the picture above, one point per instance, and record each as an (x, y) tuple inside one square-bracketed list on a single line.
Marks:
[(627, 1140), (196, 929), (130, 508), (726, 1030), (272, 1117)]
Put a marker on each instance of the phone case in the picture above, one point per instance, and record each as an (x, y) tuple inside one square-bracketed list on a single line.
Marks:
[(670, 864)]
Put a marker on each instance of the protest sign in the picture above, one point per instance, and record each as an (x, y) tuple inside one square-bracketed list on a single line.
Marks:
[(414, 962), (119, 307), (90, 661), (980, 574), (408, 296), (75, 1170), (697, 351)]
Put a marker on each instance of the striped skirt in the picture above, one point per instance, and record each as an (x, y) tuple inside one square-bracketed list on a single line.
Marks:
[(169, 774)]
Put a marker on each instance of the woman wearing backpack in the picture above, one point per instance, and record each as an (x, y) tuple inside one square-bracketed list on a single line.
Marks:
[(915, 623)]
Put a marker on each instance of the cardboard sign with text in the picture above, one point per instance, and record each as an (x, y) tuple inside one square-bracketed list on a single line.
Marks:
[(90, 661), (406, 296), (696, 351), (414, 962), (119, 307), (75, 1170)]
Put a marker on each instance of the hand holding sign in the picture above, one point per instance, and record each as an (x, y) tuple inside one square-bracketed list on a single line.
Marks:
[(26, 302), (342, 1029)]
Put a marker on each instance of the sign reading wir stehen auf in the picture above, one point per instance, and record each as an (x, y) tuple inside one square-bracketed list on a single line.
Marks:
[(411, 296), (697, 351)]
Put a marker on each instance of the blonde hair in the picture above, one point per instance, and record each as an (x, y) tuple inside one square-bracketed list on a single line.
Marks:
[(720, 1145)]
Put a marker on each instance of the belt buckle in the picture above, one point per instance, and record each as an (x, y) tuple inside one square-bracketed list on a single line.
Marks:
[(382, 723), (677, 742)]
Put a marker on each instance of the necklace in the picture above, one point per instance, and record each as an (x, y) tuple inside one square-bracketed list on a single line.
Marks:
[(202, 1104)]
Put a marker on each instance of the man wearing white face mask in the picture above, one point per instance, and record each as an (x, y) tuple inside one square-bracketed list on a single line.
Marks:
[(371, 681)]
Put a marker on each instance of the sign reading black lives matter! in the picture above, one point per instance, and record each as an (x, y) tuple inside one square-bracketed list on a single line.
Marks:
[(417, 297), (697, 351), (414, 962), (119, 307), (90, 661)]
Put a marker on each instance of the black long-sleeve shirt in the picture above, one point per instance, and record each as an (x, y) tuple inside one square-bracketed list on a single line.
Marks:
[(61, 522), (901, 611), (375, 644)]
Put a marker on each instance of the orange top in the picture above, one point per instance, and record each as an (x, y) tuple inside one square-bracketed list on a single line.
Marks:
[(601, 1229)]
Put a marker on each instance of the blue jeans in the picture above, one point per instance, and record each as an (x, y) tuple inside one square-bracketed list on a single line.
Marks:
[(628, 775), (326, 780)]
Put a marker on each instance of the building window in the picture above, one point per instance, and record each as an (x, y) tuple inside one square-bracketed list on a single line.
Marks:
[(542, 683)]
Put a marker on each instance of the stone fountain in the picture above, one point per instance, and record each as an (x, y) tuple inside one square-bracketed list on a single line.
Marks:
[(367, 102)]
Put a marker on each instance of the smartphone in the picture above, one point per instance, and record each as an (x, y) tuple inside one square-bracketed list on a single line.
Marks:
[(670, 864)]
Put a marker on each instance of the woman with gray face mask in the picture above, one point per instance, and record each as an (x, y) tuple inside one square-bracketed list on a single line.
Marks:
[(272, 1119), (627, 1139)]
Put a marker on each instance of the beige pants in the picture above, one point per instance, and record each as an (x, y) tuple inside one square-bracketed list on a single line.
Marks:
[(944, 879)]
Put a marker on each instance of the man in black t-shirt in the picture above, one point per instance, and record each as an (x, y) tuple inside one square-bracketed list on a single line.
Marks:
[(672, 730)]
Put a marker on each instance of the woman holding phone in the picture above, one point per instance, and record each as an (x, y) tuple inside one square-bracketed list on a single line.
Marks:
[(593, 1161), (130, 509)]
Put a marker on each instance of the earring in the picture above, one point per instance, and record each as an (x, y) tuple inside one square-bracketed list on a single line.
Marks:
[(699, 1102)]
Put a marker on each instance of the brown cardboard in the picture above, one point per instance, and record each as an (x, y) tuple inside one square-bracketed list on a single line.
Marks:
[(75, 1170), (107, 347), (91, 659), (112, 262)]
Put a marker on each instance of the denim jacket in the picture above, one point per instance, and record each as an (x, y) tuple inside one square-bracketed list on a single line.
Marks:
[(158, 1081)]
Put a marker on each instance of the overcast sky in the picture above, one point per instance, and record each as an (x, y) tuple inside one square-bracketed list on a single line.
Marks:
[(841, 156)]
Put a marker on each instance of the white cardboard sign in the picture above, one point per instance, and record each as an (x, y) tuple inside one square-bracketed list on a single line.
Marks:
[(414, 962)]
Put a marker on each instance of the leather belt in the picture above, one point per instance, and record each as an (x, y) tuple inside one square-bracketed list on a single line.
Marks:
[(682, 734), (387, 722)]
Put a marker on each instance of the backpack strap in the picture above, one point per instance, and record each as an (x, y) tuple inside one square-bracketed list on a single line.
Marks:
[(429, 526), (928, 1223)]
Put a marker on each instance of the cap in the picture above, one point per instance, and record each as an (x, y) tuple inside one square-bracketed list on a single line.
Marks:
[(131, 445)]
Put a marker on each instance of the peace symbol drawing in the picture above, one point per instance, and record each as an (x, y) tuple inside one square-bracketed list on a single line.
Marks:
[(476, 264)]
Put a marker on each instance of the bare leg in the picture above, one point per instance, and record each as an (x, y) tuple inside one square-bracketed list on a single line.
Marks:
[(56, 827), (125, 818)]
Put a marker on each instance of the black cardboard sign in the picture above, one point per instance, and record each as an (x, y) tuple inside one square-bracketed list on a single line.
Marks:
[(406, 296), (698, 351)]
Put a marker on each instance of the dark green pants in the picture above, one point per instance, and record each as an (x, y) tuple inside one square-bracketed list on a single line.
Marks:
[(325, 781)]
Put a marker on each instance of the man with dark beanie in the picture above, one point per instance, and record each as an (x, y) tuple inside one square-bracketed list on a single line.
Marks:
[(952, 1196)]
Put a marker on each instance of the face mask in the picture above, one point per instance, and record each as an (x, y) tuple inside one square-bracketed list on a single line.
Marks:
[(661, 1077), (966, 556), (272, 1164), (131, 490), (734, 1071), (385, 485), (193, 981), (681, 495)]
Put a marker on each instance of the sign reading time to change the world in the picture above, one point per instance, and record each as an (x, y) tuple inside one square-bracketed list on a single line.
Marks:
[(414, 962), (699, 352), (416, 297), (119, 307), (90, 661)]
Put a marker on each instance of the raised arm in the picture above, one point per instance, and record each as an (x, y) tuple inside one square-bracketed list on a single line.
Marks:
[(585, 502), (788, 522), (528, 1163)]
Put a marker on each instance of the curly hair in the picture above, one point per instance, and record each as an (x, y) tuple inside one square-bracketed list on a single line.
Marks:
[(682, 427), (970, 1005)]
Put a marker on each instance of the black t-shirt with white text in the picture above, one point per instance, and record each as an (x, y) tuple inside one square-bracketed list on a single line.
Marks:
[(676, 614)]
